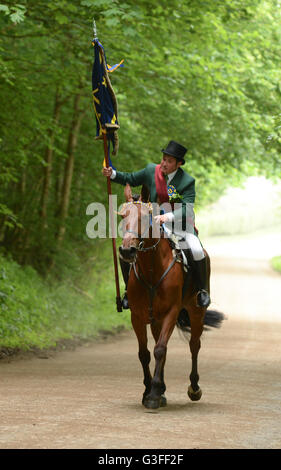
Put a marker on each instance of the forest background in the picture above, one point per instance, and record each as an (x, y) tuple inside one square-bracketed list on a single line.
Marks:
[(204, 73)]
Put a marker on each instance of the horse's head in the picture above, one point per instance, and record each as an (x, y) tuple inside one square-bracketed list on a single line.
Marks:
[(136, 223)]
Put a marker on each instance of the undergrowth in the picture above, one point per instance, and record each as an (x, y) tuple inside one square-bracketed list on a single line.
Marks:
[(37, 312)]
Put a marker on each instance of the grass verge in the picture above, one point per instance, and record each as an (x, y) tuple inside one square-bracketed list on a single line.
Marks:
[(276, 263), (36, 313)]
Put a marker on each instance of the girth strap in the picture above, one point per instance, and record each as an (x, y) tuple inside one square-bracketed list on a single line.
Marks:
[(152, 289)]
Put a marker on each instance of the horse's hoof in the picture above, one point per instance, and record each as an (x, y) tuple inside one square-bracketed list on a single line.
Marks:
[(163, 401), (152, 404), (155, 402), (194, 396)]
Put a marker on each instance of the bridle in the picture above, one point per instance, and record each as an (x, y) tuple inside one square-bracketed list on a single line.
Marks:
[(139, 276), (141, 246), (141, 237)]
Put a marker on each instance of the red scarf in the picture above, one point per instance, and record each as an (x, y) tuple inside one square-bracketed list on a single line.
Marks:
[(162, 190), (161, 185)]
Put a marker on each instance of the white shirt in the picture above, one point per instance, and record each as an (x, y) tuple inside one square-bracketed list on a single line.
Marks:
[(171, 175)]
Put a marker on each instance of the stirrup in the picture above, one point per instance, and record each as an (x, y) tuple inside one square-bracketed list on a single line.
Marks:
[(203, 298), (125, 303)]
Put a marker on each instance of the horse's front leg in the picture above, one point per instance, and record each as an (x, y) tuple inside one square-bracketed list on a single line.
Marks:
[(156, 398), (144, 354), (196, 316), (156, 327)]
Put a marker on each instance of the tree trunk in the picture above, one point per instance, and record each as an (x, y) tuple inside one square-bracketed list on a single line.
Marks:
[(48, 160), (79, 186), (59, 180), (23, 182), (69, 164)]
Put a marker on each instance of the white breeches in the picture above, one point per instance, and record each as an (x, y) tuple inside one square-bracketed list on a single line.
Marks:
[(187, 240), (192, 242)]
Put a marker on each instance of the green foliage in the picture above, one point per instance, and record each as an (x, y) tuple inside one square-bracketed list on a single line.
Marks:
[(15, 13), (276, 263), (37, 313), (203, 73)]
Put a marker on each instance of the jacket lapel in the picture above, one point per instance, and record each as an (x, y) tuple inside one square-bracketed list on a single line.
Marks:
[(175, 181)]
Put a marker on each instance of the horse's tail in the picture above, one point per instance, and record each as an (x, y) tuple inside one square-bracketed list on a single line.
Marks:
[(213, 319)]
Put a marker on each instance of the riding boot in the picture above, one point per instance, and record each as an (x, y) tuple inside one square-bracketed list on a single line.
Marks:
[(200, 271), (125, 268)]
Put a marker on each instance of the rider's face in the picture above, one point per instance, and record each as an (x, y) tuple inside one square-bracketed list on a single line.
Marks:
[(169, 164)]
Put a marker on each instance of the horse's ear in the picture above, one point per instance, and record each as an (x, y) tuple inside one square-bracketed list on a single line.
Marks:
[(128, 193), (145, 195)]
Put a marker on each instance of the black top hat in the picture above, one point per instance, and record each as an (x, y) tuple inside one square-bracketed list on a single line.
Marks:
[(175, 150)]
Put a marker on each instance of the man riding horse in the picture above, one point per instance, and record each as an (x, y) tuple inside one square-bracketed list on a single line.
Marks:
[(162, 179)]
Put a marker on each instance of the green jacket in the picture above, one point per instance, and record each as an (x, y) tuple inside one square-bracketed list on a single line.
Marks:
[(182, 181)]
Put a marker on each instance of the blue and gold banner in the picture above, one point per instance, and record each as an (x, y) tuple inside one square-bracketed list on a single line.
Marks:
[(104, 99)]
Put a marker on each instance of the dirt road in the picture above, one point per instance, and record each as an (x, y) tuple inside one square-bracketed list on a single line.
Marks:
[(91, 397)]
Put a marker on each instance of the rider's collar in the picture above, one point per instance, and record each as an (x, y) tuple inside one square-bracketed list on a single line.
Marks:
[(171, 176)]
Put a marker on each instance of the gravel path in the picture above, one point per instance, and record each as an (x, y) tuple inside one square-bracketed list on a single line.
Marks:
[(91, 397)]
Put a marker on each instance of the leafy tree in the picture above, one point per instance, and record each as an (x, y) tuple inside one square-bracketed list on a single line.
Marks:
[(203, 73)]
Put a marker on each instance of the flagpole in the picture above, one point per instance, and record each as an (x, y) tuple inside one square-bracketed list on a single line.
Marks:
[(111, 216), (113, 233)]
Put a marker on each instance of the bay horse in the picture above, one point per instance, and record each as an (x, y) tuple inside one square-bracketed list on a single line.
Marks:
[(155, 297)]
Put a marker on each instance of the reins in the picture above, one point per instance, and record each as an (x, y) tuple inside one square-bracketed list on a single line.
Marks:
[(140, 237), (152, 288), (139, 276), (143, 235)]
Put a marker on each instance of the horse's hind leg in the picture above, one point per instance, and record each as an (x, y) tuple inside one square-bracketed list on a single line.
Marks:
[(144, 354), (196, 316)]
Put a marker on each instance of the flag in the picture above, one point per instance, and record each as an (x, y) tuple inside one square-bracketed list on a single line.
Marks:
[(104, 99)]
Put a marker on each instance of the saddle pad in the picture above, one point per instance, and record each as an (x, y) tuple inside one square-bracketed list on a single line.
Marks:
[(175, 239)]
